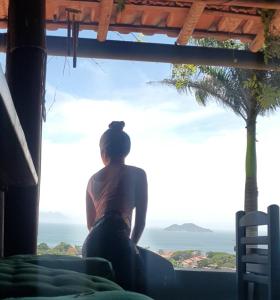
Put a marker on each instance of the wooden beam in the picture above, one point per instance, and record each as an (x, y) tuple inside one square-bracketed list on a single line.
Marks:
[(247, 27), (275, 24), (170, 19), (172, 32), (152, 52), (16, 165), (267, 4), (106, 7), (25, 73), (228, 24), (192, 18), (258, 42), (144, 18), (223, 36)]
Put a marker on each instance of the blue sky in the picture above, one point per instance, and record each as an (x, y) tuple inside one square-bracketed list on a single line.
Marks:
[(193, 155)]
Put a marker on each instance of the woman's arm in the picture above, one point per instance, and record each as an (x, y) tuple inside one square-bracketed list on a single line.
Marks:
[(140, 207), (90, 210)]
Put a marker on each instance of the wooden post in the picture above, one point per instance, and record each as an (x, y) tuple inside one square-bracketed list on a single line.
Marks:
[(1, 223), (25, 72), (240, 250), (273, 252)]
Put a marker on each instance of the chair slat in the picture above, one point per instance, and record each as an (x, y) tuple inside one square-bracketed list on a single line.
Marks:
[(254, 240), (256, 278), (254, 218), (257, 268), (254, 258), (259, 251)]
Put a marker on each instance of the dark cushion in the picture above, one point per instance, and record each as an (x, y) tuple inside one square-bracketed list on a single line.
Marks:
[(20, 279), (92, 266), (160, 275)]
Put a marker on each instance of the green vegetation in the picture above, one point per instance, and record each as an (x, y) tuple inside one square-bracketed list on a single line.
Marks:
[(186, 254), (195, 259), (271, 47), (179, 259), (217, 260), (175, 263), (60, 249), (120, 5)]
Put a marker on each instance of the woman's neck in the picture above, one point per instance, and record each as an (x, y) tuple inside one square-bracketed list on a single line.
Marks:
[(116, 161)]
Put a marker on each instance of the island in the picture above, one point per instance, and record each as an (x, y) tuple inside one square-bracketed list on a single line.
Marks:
[(188, 227)]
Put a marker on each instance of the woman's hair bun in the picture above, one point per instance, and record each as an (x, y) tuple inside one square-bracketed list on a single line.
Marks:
[(117, 125)]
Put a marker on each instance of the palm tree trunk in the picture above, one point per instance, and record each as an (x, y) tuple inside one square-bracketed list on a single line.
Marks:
[(251, 188)]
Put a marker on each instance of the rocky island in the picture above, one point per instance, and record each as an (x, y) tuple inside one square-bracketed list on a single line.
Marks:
[(188, 227)]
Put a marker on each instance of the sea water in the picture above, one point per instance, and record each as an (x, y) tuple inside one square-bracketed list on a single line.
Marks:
[(154, 239)]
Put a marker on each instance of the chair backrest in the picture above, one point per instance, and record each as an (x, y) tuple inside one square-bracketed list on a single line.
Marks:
[(255, 264)]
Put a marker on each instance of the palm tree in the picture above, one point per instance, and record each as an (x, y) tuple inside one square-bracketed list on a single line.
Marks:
[(248, 93)]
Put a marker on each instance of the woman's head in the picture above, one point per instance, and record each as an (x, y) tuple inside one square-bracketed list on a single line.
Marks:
[(114, 143)]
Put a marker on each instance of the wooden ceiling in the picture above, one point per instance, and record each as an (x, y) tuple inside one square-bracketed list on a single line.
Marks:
[(183, 19)]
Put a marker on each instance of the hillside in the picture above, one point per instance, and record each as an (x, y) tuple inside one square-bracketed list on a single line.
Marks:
[(53, 217)]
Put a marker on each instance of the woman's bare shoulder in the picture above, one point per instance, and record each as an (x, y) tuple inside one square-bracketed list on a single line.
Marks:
[(98, 175), (136, 170)]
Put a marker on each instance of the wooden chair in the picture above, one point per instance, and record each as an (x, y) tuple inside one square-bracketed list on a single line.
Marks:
[(258, 267)]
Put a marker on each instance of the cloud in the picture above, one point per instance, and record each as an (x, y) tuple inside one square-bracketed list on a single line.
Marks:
[(194, 156)]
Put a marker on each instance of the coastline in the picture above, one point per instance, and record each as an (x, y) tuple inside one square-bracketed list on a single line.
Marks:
[(154, 239)]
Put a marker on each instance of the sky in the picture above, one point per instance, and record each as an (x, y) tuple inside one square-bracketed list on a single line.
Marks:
[(194, 156)]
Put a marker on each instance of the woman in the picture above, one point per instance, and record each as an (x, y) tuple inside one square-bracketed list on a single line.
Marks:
[(112, 194)]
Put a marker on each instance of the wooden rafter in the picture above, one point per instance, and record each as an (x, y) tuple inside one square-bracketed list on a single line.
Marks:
[(106, 7), (275, 24), (228, 24), (88, 14), (247, 27), (172, 32), (145, 18), (258, 42), (192, 18)]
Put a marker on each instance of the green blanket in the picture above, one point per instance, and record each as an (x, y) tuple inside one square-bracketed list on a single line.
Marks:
[(18, 279), (52, 278), (114, 295), (92, 266)]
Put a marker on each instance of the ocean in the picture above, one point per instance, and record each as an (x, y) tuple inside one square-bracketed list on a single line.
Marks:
[(153, 238)]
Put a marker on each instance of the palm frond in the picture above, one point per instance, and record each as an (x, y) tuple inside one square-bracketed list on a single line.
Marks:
[(243, 91)]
